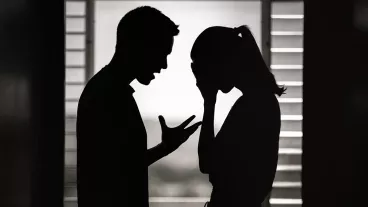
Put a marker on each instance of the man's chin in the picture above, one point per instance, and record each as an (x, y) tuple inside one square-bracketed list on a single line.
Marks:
[(226, 90), (144, 81)]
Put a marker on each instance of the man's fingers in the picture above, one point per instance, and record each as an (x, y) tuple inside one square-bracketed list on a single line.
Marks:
[(186, 122), (162, 122), (190, 130)]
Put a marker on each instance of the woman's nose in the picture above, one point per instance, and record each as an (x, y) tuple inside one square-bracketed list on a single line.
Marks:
[(164, 66)]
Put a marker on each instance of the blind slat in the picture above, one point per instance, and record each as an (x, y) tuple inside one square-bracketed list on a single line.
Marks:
[(75, 58), (288, 8), (75, 75), (290, 159), (75, 8), (75, 25), (71, 108), (73, 91), (287, 25), (291, 125), (278, 41), (287, 58), (288, 75), (291, 108), (75, 41)]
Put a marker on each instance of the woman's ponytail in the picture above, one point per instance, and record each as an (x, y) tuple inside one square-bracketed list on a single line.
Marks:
[(256, 55)]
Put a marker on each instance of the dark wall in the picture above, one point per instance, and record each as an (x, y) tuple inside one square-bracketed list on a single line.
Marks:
[(31, 103), (335, 104)]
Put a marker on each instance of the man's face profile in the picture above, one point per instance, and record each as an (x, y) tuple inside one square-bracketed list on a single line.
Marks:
[(152, 59)]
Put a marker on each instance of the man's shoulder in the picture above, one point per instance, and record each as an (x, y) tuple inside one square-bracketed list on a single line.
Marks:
[(92, 90), (101, 89)]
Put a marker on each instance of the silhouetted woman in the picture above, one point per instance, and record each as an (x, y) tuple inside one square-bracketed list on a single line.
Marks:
[(241, 160)]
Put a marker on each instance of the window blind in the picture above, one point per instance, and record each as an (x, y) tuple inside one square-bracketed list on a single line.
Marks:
[(75, 79), (287, 66)]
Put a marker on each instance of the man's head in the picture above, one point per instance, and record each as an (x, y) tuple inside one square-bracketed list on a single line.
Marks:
[(145, 38)]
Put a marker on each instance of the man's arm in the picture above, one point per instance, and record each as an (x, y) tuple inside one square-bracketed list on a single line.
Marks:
[(156, 153), (172, 138)]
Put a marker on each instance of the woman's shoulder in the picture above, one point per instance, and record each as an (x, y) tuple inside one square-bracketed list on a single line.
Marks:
[(257, 104), (255, 112), (252, 111)]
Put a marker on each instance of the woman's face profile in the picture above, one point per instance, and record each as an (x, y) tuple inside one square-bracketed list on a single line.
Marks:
[(213, 74)]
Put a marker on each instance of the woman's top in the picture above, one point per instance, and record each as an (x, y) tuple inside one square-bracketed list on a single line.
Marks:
[(244, 153)]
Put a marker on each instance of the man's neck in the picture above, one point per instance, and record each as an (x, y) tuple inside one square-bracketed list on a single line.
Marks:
[(121, 71)]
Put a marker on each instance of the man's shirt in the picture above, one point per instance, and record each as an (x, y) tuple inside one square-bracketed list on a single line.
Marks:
[(111, 145)]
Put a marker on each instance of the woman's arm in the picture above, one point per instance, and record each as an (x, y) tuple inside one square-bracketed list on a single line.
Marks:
[(207, 136)]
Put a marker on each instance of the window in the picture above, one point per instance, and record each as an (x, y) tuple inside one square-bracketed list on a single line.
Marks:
[(173, 182)]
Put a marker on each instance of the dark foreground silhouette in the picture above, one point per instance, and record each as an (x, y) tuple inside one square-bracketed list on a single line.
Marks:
[(112, 155), (241, 160)]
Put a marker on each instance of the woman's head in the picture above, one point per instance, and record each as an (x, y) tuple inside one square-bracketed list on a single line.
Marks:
[(229, 57)]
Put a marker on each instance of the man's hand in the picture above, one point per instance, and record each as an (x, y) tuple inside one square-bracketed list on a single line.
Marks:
[(172, 138)]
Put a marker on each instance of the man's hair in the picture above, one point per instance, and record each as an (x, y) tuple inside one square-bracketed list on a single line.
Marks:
[(144, 25)]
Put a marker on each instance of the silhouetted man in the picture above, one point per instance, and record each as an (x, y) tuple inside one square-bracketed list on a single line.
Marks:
[(112, 158)]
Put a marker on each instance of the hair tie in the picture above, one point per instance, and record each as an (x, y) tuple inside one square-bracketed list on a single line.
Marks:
[(237, 30)]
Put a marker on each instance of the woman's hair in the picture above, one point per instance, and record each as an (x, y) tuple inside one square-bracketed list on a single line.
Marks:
[(225, 44)]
